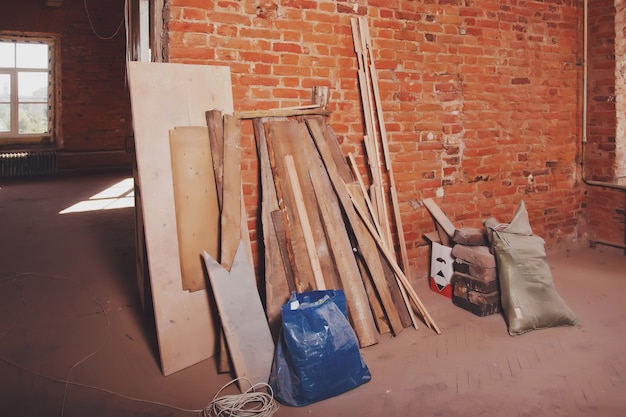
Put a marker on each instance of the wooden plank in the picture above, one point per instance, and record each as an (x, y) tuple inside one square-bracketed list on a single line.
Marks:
[(387, 289), (340, 244), (215, 125), (439, 216), (242, 316), (391, 259), (287, 112), (195, 202), (282, 138), (303, 273), (164, 96), (279, 228), (230, 232), (304, 223), (297, 142), (367, 250), (340, 160), (385, 146), (277, 269)]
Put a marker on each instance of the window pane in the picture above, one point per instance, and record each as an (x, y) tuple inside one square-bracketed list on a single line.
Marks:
[(5, 117), (7, 54), (32, 86), (32, 55), (33, 118), (5, 88)]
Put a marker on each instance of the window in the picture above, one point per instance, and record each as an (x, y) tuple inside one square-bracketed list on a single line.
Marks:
[(26, 89)]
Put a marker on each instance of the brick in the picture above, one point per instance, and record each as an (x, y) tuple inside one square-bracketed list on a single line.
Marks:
[(478, 310), (476, 255), (470, 236), (464, 283)]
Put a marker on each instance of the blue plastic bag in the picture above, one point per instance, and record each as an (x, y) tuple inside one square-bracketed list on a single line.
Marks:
[(317, 355)]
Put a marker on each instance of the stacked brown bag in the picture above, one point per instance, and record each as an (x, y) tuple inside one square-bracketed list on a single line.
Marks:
[(475, 279)]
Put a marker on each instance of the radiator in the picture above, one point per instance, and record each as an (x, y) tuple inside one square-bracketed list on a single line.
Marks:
[(27, 164)]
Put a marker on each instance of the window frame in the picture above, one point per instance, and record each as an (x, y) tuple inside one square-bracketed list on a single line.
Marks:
[(45, 138)]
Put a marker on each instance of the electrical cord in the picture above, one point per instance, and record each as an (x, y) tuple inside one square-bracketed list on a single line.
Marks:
[(250, 403)]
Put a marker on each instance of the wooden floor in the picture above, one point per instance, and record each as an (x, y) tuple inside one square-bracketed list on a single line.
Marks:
[(75, 342)]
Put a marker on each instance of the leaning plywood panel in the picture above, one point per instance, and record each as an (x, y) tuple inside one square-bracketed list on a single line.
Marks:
[(195, 202), (243, 319), (164, 96)]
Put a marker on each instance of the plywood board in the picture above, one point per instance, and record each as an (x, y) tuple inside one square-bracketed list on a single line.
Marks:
[(242, 316), (165, 95), (195, 201)]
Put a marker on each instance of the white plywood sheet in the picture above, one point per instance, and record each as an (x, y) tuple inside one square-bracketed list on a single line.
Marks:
[(163, 96)]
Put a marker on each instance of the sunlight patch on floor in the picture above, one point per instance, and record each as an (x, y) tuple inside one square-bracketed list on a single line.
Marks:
[(120, 195)]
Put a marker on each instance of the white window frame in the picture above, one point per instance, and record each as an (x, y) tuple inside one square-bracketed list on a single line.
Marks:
[(14, 137)]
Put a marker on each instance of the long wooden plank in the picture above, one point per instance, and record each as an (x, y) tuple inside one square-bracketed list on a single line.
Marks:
[(277, 269), (370, 138), (287, 112), (215, 125), (340, 244), (396, 291), (285, 138), (385, 147), (368, 251), (303, 273), (242, 317), (195, 201), (164, 96), (304, 223), (391, 258), (232, 203), (439, 216)]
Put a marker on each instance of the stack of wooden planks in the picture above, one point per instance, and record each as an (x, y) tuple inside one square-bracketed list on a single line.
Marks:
[(318, 232)]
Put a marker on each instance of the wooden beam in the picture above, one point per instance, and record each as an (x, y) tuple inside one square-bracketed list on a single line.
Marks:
[(403, 279), (231, 200), (304, 223), (439, 217), (287, 112)]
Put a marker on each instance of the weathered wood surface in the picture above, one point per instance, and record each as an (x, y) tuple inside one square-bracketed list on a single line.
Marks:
[(164, 96), (242, 317)]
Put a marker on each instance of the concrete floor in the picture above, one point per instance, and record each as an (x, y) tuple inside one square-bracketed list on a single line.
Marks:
[(75, 342)]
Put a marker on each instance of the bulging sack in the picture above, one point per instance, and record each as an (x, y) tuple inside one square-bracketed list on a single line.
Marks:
[(529, 298), (317, 355)]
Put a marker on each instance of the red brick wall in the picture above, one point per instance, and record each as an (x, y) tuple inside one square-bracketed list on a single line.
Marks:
[(605, 206), (481, 98), (94, 105), (601, 120)]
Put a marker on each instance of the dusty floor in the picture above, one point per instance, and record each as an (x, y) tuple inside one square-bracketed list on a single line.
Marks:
[(60, 274)]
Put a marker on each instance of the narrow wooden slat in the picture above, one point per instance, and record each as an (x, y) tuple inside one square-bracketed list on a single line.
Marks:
[(403, 279), (369, 253), (215, 125), (304, 223), (279, 229), (385, 284), (286, 112), (439, 216), (339, 240), (385, 146), (371, 133), (231, 200)]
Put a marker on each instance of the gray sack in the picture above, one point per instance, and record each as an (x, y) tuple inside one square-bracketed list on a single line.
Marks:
[(529, 299)]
